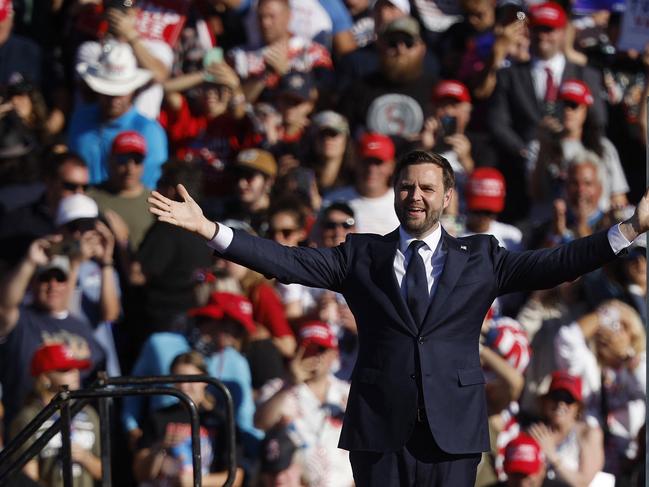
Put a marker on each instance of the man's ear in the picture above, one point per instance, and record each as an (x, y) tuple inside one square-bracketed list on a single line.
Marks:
[(448, 196), (268, 185)]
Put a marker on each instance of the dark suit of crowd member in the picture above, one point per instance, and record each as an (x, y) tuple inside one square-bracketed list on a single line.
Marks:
[(524, 95), (416, 413)]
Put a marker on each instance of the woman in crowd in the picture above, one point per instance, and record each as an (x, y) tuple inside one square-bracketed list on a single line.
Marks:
[(575, 135), (572, 446), (165, 453), (331, 151), (606, 349), (28, 103)]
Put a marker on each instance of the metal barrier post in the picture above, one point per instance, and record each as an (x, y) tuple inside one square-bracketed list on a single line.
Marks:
[(66, 430), (229, 408), (42, 440), (105, 389), (105, 432)]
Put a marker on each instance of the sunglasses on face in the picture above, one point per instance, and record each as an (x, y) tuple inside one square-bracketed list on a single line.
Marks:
[(571, 104), (56, 274), (81, 225), (328, 133), (289, 101), (285, 232), (332, 225), (562, 396), (373, 161), (393, 41), (245, 174), (72, 186), (123, 159)]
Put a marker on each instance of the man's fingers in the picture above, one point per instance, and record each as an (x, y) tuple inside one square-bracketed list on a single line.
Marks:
[(183, 193), (155, 196), (158, 211), (168, 219), (299, 353)]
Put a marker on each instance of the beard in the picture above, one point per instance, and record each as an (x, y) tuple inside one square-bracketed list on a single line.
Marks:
[(399, 69), (418, 228)]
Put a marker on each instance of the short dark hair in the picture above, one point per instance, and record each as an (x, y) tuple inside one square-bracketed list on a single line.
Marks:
[(425, 157), (291, 205), (188, 174), (340, 206), (57, 161)]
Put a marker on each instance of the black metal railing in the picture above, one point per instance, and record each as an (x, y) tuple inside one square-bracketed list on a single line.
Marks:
[(104, 391)]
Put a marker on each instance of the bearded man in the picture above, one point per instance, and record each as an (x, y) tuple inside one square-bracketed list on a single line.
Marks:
[(393, 100), (416, 413)]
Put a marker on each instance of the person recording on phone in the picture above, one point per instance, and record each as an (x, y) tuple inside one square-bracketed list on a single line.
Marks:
[(527, 91), (474, 49), (44, 318), (445, 131), (606, 350), (574, 135), (220, 127)]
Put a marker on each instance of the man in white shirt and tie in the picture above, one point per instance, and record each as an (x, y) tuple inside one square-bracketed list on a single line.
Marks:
[(526, 92), (416, 413)]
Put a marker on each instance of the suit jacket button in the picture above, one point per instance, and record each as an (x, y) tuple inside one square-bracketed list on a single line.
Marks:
[(413, 376), (421, 339)]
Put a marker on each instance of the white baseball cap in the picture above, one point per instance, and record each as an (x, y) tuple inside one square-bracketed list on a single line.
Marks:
[(75, 207)]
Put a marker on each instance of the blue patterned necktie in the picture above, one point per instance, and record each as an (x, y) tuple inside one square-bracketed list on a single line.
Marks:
[(416, 283)]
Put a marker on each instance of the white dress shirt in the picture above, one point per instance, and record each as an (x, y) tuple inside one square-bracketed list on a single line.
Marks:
[(540, 77), (432, 253)]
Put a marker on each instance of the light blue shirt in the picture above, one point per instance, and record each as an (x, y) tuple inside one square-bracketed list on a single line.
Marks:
[(92, 139), (228, 365)]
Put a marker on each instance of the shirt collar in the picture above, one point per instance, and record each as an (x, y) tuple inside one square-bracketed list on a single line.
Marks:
[(432, 240), (556, 63)]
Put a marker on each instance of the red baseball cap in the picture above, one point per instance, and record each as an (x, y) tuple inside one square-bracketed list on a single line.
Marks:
[(548, 14), (228, 305), (523, 455), (376, 146), (55, 356), (451, 89), (129, 143), (576, 91), (562, 381), (6, 7), (485, 190), (317, 333)]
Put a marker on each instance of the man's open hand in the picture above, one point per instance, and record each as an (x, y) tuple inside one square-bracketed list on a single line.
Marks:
[(184, 214), (639, 222)]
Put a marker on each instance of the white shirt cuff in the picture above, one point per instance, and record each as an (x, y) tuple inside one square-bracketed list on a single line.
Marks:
[(222, 239), (616, 239)]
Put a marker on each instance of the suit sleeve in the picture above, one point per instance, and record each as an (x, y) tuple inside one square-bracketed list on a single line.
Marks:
[(322, 268), (499, 117), (547, 268)]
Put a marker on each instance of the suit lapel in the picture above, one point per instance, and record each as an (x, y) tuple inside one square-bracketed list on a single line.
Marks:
[(383, 253), (456, 258), (569, 72), (528, 82)]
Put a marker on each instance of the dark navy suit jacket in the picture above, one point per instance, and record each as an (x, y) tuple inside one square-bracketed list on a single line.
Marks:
[(393, 351)]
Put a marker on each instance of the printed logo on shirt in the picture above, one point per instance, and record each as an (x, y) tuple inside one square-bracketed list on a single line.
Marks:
[(395, 114)]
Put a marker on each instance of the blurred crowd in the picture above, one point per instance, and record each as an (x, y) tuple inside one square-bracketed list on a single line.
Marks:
[(284, 119)]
